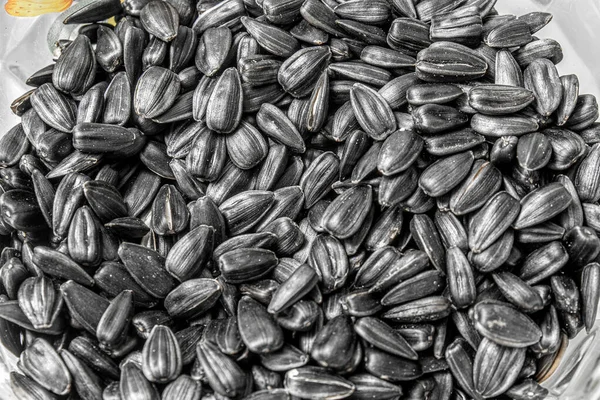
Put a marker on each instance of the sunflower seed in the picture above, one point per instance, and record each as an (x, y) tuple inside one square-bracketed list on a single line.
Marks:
[(224, 107), (390, 367), (75, 69), (300, 72), (44, 365), (496, 368), (516, 329), (213, 48)]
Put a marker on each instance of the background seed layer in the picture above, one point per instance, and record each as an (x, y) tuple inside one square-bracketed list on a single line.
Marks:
[(314, 199)]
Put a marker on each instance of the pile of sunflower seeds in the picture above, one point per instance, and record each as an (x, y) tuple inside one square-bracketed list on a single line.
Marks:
[(317, 199)]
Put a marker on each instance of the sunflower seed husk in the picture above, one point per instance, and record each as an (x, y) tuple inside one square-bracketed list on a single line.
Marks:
[(271, 38), (436, 118), (134, 385), (589, 298), (390, 367), (585, 113), (508, 71), (496, 368), (213, 48), (156, 91), (449, 62), (224, 375), (520, 332), (327, 256), (44, 365), (300, 72), (54, 108), (75, 69), (422, 310), (192, 297), (224, 107), (542, 204), (581, 244), (461, 280)]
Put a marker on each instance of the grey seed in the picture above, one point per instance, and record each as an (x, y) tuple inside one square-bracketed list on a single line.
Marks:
[(461, 281), (160, 19), (300, 317), (436, 93), (113, 327), (320, 16), (567, 148), (511, 34), (244, 210), (539, 49), (362, 33), (366, 166), (581, 244), (261, 291), (246, 264), (496, 254), (382, 336), (496, 368), (362, 72), (144, 321), (181, 109), (259, 69), (449, 62), (497, 126), (134, 385), (542, 204), (273, 168), (492, 220), (260, 240), (59, 265), (104, 138), (414, 288), (188, 185), (226, 14), (20, 211), (344, 122), (354, 203), (43, 364), (25, 387), (75, 162), (518, 292), (422, 310), (327, 256), (570, 94), (281, 12), (274, 123), (207, 156), (41, 76), (246, 146), (141, 191), (224, 108), (284, 359), (10, 311), (386, 229), (408, 35), (543, 262), (317, 179), (375, 13), (87, 383), (395, 92), (156, 91), (316, 383), (543, 80), (376, 266), (181, 52), (451, 230), (88, 351), (334, 344), (461, 366), (296, 286), (84, 238), (14, 145), (399, 151), (117, 101), (452, 142), (224, 375), (360, 303), (193, 297), (183, 388), (33, 126), (481, 184), (105, 200), (113, 278), (75, 69), (587, 179), (213, 48), (516, 329), (188, 338), (191, 253), (300, 72), (372, 112), (92, 13), (54, 108), (259, 331), (488, 54), (39, 301), (318, 104), (307, 33), (386, 58), (574, 214), (289, 238), (434, 118), (255, 96), (589, 295), (271, 38), (202, 94), (508, 71), (428, 240), (13, 274), (355, 147), (527, 390), (133, 46), (585, 113), (85, 307), (155, 53), (147, 269), (499, 99), (169, 212), (161, 355), (462, 26), (464, 325), (390, 367), (443, 175), (536, 20)]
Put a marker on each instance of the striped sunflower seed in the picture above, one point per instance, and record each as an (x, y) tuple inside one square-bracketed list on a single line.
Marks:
[(316, 382), (271, 38), (300, 72), (160, 19), (449, 62), (213, 48), (496, 368), (517, 331), (224, 106)]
